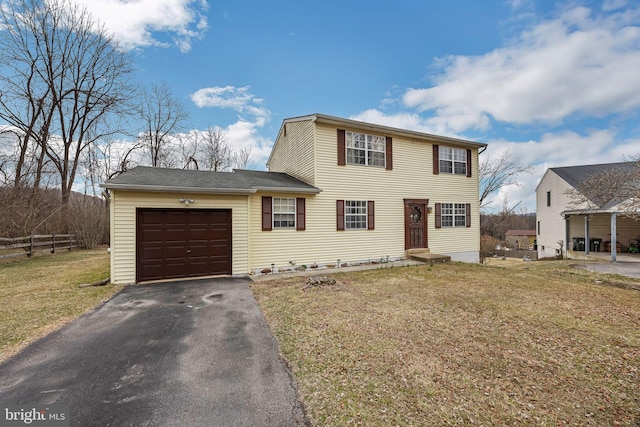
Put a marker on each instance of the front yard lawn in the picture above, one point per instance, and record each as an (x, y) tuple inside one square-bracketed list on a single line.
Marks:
[(536, 343), (40, 294)]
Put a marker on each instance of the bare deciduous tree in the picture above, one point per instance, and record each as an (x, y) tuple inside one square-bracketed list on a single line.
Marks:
[(499, 172), (25, 97), (162, 117), (242, 157), (215, 150), (618, 185), (210, 150), (73, 79)]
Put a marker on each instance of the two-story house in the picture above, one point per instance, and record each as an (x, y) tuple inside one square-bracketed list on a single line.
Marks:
[(336, 191), (572, 231)]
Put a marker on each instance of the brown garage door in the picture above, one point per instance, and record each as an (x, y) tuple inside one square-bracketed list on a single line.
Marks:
[(174, 243)]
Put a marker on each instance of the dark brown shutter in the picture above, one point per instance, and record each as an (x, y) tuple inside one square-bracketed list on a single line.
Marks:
[(300, 213), (371, 216), (339, 215), (438, 219), (468, 219), (267, 223), (436, 159), (342, 150), (389, 154), (468, 163)]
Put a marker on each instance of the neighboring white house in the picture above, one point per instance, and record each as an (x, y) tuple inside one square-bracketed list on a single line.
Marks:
[(571, 230), (337, 191)]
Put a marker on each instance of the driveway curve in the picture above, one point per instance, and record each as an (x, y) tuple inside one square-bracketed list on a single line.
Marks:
[(189, 353)]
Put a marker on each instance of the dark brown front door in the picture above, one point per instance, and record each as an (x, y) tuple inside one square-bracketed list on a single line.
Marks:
[(175, 243), (415, 223)]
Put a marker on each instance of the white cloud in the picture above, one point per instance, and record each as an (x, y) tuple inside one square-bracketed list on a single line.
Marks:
[(613, 4), (235, 98), (579, 63), (245, 134), (517, 5), (404, 120), (558, 149), (134, 22), (252, 115)]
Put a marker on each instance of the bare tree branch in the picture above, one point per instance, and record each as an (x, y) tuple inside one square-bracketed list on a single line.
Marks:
[(617, 187), (68, 75), (499, 172), (214, 149), (162, 116), (241, 158)]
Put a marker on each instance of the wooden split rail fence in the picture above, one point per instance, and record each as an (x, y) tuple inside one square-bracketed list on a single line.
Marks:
[(29, 245)]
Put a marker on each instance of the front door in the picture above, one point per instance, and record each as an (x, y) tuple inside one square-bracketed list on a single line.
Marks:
[(415, 223)]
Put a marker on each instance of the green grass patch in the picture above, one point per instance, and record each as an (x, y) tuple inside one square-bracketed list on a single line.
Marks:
[(525, 344), (40, 294)]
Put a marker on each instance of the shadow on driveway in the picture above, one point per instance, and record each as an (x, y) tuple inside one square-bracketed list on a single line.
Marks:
[(191, 353)]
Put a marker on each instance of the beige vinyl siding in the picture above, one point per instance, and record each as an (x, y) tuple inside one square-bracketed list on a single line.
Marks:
[(294, 152), (123, 226), (411, 178)]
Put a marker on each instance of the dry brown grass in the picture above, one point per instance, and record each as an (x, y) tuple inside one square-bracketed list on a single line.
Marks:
[(40, 294), (525, 344)]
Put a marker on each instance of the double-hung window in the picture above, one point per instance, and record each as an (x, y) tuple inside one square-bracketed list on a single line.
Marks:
[(453, 160), (355, 214), (454, 215), (284, 212), (363, 149)]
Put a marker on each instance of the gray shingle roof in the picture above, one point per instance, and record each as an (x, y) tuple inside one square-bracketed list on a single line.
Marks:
[(574, 175), (145, 178)]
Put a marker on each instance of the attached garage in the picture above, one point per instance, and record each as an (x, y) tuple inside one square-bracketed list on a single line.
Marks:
[(175, 223), (176, 243)]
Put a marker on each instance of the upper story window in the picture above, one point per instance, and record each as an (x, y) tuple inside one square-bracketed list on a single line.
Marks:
[(357, 148), (363, 149), (453, 160), (284, 212), (548, 198)]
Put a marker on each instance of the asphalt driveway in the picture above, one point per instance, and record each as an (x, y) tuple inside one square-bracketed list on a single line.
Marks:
[(191, 353), (629, 269)]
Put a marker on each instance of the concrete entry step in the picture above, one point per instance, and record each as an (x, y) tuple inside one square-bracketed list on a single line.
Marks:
[(425, 255)]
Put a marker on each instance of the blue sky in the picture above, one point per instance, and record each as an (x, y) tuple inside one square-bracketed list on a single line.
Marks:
[(555, 83)]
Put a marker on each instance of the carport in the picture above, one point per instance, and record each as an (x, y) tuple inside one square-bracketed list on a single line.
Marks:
[(600, 230)]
